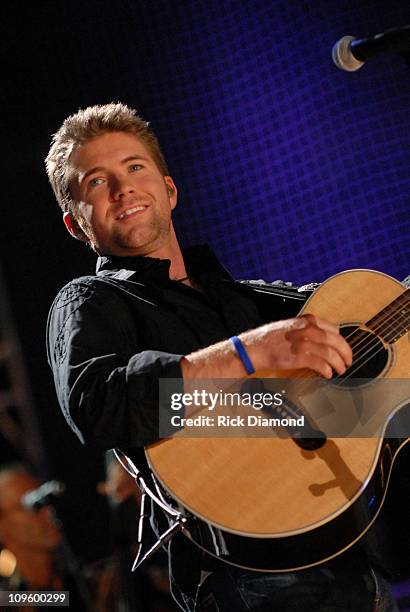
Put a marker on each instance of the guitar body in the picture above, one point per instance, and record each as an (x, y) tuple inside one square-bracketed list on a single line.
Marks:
[(264, 503)]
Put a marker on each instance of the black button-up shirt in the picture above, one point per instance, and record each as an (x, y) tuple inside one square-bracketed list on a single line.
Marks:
[(112, 336)]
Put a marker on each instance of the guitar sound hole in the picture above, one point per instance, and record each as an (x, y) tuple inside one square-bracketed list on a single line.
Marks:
[(370, 357)]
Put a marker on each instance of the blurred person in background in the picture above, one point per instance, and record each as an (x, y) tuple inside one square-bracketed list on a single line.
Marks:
[(37, 556), (32, 537)]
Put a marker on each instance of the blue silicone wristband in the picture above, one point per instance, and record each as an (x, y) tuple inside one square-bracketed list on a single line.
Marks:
[(243, 355)]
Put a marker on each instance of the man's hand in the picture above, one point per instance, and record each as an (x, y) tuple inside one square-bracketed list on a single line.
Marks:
[(293, 344), (304, 342)]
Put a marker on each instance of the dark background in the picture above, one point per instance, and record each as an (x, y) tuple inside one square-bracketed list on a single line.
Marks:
[(287, 166)]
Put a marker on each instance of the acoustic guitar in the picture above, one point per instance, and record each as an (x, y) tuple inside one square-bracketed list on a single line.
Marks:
[(278, 502)]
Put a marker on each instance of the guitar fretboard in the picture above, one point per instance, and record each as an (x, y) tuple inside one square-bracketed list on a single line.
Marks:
[(393, 321)]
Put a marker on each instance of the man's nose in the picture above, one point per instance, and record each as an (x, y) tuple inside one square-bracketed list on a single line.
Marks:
[(121, 187)]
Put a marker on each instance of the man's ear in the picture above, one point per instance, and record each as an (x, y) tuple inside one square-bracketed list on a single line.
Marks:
[(172, 191), (73, 227)]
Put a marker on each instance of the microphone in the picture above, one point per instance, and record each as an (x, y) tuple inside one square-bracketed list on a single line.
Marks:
[(42, 496), (350, 53)]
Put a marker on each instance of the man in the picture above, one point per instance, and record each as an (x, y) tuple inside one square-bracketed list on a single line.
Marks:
[(154, 312)]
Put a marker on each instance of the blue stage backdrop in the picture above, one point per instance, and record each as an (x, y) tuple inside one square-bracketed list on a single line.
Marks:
[(287, 166)]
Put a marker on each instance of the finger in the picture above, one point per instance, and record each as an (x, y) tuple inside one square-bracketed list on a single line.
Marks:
[(321, 323), (339, 344), (313, 362), (344, 349), (324, 337), (328, 354)]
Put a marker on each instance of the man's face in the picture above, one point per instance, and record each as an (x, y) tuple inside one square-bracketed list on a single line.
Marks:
[(123, 201)]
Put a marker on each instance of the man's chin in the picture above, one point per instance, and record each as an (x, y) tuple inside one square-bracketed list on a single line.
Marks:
[(124, 248), (133, 242)]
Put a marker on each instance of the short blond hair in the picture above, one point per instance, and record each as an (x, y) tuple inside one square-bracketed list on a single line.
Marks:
[(85, 125)]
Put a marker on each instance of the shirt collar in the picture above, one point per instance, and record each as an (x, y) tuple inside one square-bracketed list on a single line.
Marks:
[(200, 262)]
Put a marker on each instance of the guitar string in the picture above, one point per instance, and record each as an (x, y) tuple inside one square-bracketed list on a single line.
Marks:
[(311, 375), (382, 322), (392, 311), (340, 377), (398, 313), (403, 319), (373, 342), (304, 373), (376, 343), (399, 322)]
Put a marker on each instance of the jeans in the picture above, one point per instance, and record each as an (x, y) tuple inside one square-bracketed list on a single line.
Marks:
[(320, 589)]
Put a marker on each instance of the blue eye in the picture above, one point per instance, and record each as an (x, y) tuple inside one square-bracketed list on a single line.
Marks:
[(95, 182)]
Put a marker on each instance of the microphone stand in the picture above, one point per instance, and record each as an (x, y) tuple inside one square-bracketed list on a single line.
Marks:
[(69, 561)]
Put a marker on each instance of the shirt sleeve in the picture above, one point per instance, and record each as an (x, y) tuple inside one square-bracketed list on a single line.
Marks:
[(108, 390)]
